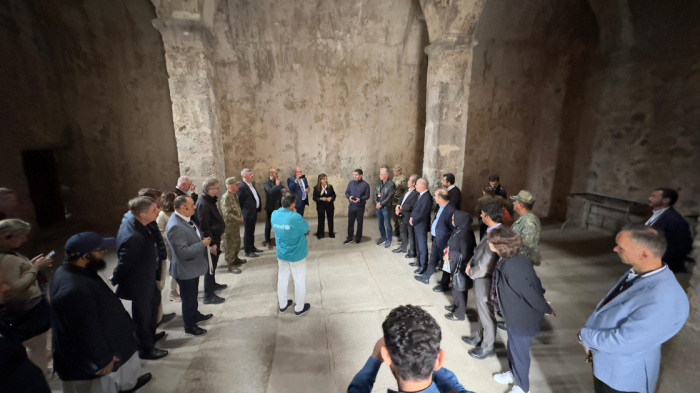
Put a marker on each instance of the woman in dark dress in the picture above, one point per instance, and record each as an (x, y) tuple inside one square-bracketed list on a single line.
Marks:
[(460, 250), (324, 195)]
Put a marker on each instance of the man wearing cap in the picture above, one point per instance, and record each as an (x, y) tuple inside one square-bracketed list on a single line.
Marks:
[(231, 212), (527, 226), (401, 184), (93, 341)]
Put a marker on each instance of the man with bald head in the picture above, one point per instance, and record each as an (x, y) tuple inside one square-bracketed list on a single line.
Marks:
[(298, 184), (185, 186), (420, 220)]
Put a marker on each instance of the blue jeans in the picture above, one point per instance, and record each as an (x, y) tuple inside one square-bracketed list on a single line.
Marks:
[(384, 220)]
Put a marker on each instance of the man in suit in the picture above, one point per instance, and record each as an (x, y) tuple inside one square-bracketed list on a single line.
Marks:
[(674, 227), (404, 208), (455, 195), (250, 206), (420, 220), (440, 231), (273, 200), (135, 273), (212, 225), (495, 182), (190, 260), (646, 308), (300, 186)]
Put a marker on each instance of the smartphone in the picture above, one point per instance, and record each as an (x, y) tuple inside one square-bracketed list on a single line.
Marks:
[(51, 254)]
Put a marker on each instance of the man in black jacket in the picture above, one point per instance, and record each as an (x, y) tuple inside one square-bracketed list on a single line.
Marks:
[(273, 200), (212, 226), (495, 183), (357, 193), (674, 227), (93, 341), (404, 209), (250, 206), (135, 274), (420, 221), (455, 195), (383, 196), (440, 230)]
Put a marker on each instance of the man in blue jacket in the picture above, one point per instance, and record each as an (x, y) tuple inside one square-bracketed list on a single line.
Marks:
[(298, 185), (645, 309), (440, 230), (411, 349), (420, 220), (290, 234)]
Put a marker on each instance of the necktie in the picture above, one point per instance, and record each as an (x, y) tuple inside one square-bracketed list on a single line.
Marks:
[(303, 190)]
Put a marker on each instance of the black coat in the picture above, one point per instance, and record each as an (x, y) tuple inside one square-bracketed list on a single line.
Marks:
[(462, 242), (421, 213), (273, 195), (443, 228), (520, 293), (138, 260), (210, 221), (194, 199), (455, 197), (409, 203), (18, 373), (90, 324), (247, 201), (677, 233), (501, 191), (323, 205)]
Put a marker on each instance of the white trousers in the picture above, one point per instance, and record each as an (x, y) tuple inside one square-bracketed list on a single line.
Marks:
[(123, 379), (298, 272)]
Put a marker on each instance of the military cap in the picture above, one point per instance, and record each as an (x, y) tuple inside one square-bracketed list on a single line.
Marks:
[(397, 167), (230, 180), (524, 196)]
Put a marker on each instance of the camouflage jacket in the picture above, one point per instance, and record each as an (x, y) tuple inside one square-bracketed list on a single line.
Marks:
[(401, 184), (230, 209), (528, 227)]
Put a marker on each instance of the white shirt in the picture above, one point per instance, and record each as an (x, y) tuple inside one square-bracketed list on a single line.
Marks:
[(421, 194), (255, 194), (189, 220), (450, 187), (301, 184), (410, 190), (631, 275), (655, 216), (323, 190)]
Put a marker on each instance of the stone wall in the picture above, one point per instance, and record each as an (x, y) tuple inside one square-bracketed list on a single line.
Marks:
[(330, 86), (86, 79)]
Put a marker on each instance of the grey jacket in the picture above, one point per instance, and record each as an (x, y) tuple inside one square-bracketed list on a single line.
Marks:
[(483, 262), (189, 254), (384, 193)]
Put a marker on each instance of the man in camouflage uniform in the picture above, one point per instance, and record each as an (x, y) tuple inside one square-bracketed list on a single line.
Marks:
[(527, 226), (231, 212), (401, 186)]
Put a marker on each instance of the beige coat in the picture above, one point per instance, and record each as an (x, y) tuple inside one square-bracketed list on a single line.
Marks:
[(21, 276)]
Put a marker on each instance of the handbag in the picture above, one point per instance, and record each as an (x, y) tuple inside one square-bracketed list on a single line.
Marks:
[(30, 322), (460, 281)]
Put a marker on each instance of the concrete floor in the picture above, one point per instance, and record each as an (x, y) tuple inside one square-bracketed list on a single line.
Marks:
[(251, 348)]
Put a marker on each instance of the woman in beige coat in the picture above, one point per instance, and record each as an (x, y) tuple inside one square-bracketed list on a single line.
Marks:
[(162, 221)]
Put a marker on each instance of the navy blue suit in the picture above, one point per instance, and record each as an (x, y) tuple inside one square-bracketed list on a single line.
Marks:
[(421, 225), (677, 233), (296, 188), (443, 230), (249, 208)]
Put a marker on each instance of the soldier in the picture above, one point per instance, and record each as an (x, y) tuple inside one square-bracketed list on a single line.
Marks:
[(231, 212), (527, 226), (401, 184)]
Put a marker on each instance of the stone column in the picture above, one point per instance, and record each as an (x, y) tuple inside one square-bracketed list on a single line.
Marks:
[(195, 108)]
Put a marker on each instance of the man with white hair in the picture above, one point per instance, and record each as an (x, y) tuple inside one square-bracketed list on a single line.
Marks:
[(250, 206), (383, 197), (185, 186)]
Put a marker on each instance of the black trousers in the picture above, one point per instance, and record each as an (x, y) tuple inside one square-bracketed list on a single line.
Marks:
[(421, 246), (460, 299), (188, 294), (602, 387), (519, 341), (210, 279), (445, 279), (408, 238), (268, 225), (435, 257), (355, 213), (249, 233), (300, 209), (145, 315), (322, 213)]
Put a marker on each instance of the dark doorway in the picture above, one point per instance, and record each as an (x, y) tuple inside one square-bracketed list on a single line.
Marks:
[(44, 187)]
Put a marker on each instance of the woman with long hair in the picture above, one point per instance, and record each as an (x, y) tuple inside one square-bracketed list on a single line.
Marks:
[(460, 249), (162, 221), (324, 195)]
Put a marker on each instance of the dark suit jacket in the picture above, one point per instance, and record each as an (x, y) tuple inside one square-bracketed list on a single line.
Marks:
[(273, 195), (455, 198), (323, 205), (520, 293), (210, 221), (247, 201), (443, 228), (194, 199), (135, 273), (407, 206), (421, 212), (677, 233), (295, 188), (501, 191)]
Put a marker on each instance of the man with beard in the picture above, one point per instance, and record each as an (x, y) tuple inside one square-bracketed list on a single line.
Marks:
[(93, 343), (674, 227)]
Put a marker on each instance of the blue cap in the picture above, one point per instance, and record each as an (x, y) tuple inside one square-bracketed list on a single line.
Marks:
[(85, 243)]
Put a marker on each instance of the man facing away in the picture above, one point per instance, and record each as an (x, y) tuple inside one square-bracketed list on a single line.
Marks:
[(411, 348), (383, 197), (527, 226), (455, 195), (298, 185), (645, 309), (250, 206), (290, 232), (674, 227), (404, 208), (357, 193), (231, 212), (401, 184), (273, 200), (191, 259)]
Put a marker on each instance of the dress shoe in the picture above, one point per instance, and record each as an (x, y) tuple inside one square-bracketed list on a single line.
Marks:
[(153, 354), (233, 269), (414, 264), (251, 255), (422, 279), (158, 336), (357, 242), (381, 241), (501, 325), (480, 353), (306, 308), (439, 288), (240, 261), (409, 255), (218, 287), (347, 241), (472, 340), (289, 303), (195, 331), (269, 245), (331, 235), (174, 296), (451, 308), (319, 237), (140, 382), (213, 299), (450, 316), (398, 250), (166, 318), (387, 245), (257, 250), (203, 317)]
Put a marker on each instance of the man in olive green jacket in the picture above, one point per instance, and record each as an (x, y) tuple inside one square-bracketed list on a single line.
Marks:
[(231, 212), (527, 226)]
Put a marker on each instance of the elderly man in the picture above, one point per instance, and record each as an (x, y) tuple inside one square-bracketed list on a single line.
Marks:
[(357, 193), (250, 207), (440, 230), (135, 273), (212, 226), (231, 212), (383, 198), (674, 227), (646, 308), (527, 226), (298, 185), (191, 259), (420, 221), (273, 200), (185, 186), (401, 184), (403, 211)]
